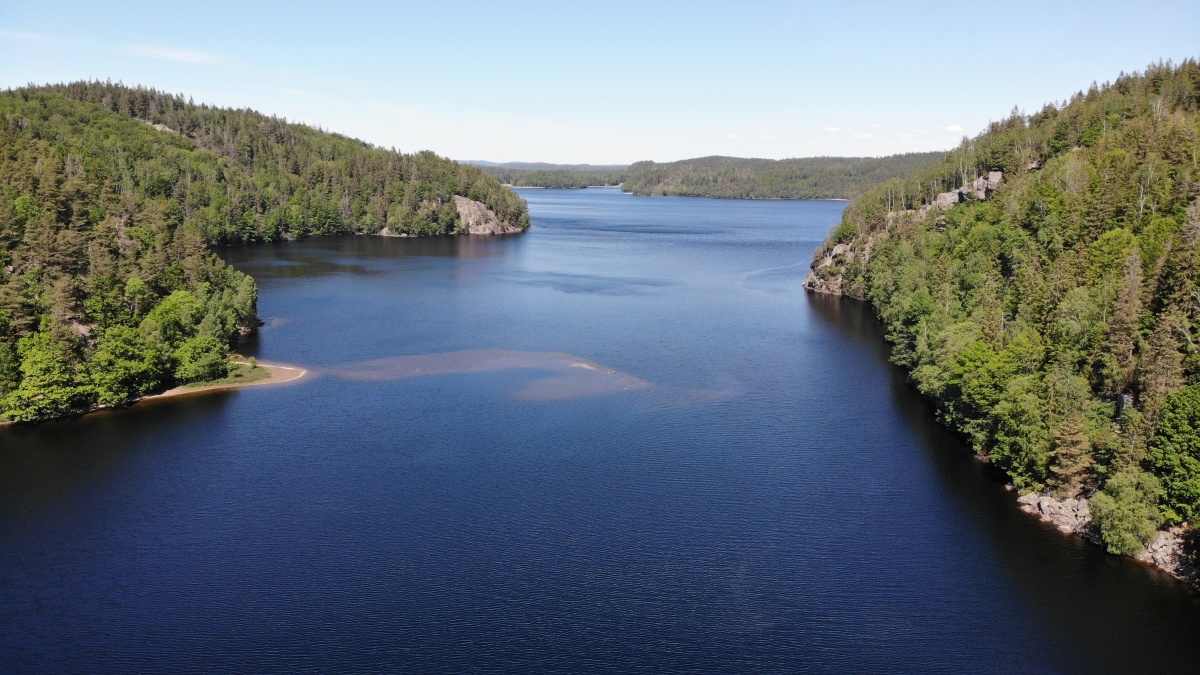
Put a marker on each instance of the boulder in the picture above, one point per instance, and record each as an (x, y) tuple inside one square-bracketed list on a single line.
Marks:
[(946, 199), (479, 219)]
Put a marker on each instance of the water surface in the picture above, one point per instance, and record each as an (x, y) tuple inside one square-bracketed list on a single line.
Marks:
[(623, 441)]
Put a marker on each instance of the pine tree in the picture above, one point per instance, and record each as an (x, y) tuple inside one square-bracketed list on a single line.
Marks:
[(1072, 456)]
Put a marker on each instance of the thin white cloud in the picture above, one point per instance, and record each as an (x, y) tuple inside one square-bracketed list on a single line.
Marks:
[(953, 128), (730, 135), (832, 130), (862, 137), (178, 54), (874, 126), (23, 38)]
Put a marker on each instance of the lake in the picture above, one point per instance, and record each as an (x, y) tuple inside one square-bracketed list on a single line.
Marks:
[(625, 441)]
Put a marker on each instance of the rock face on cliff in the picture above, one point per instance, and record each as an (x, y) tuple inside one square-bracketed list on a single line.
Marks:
[(479, 219), (829, 270)]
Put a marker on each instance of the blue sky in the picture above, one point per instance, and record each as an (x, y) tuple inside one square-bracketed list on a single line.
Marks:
[(609, 82)]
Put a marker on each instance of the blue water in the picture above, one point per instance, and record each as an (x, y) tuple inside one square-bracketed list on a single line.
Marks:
[(625, 441)]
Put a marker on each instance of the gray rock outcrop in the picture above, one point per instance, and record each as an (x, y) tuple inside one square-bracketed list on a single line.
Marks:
[(479, 219)]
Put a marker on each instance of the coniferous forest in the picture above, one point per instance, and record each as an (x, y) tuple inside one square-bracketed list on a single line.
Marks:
[(110, 199), (728, 177), (800, 178), (1042, 286)]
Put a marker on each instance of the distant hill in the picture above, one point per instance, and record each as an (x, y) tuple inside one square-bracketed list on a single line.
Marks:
[(544, 175), (543, 166), (724, 177), (800, 178)]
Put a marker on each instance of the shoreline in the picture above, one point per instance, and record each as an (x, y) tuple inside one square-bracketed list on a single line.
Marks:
[(279, 374), (1072, 517)]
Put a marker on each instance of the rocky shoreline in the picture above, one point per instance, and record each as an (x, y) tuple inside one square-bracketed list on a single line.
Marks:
[(1074, 516)]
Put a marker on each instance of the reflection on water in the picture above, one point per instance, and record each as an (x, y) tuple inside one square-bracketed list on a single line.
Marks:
[(566, 377)]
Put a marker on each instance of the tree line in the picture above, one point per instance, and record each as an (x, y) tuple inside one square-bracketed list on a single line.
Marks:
[(1055, 322), (800, 178), (731, 177)]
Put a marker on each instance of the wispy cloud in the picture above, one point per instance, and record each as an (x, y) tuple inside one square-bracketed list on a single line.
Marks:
[(178, 55), (863, 136), (832, 130), (730, 135), (953, 128), (23, 38)]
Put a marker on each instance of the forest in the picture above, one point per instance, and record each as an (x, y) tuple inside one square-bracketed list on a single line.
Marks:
[(801, 178), (558, 177), (110, 199), (727, 177), (1052, 309)]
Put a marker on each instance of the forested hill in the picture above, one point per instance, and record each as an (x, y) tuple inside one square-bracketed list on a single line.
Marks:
[(543, 175), (109, 198), (1042, 285), (801, 178)]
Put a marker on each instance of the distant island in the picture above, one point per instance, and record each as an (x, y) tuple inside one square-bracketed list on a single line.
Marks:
[(725, 177), (110, 199)]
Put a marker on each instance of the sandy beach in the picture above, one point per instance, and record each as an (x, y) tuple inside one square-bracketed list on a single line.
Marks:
[(278, 374)]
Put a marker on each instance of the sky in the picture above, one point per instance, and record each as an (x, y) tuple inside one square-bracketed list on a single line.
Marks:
[(611, 82)]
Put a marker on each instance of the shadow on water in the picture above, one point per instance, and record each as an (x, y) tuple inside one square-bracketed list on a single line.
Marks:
[(326, 255), (1079, 595), (43, 462)]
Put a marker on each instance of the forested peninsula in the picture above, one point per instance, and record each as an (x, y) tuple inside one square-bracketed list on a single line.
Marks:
[(1042, 286), (111, 198)]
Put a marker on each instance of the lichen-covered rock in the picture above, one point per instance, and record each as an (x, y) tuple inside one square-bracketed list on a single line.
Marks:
[(479, 219)]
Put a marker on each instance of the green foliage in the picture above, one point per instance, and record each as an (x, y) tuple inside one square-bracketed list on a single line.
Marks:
[(801, 178), (1174, 454), (48, 386), (125, 365), (201, 358), (110, 197), (558, 177), (1055, 321), (1126, 513)]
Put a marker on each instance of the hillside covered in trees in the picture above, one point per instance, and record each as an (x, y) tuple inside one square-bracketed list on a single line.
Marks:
[(725, 177), (801, 178), (109, 199), (1042, 286), (556, 176)]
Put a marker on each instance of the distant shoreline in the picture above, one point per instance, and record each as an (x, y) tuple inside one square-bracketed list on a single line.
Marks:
[(634, 194)]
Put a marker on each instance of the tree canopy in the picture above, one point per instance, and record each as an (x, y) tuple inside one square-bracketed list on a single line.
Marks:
[(1054, 314), (110, 197)]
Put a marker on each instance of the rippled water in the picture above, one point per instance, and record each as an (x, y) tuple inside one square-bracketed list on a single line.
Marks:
[(623, 441)]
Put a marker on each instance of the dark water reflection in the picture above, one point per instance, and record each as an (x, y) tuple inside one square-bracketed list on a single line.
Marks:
[(770, 497)]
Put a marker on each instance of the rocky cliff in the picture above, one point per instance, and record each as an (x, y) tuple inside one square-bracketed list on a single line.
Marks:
[(479, 219)]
